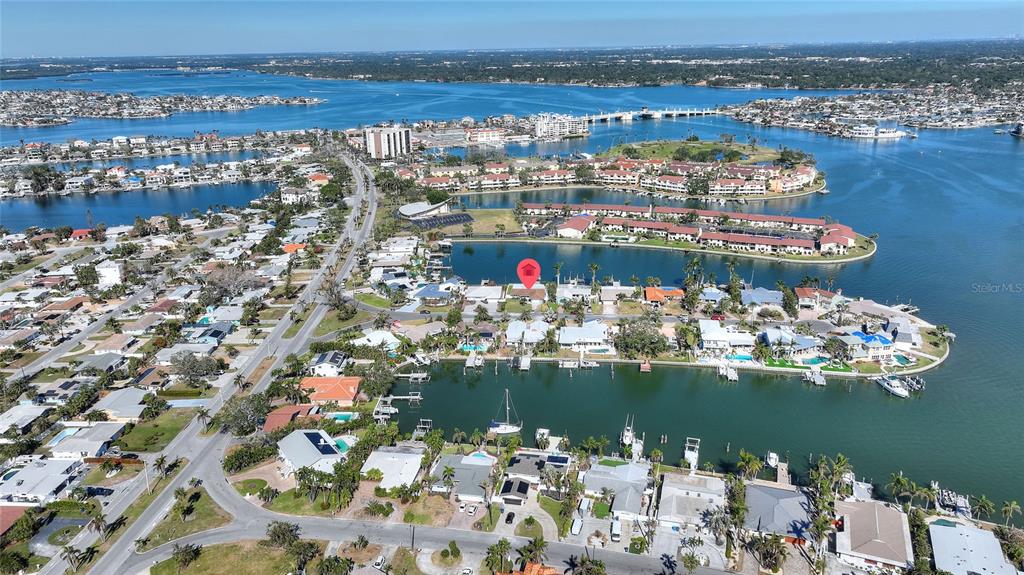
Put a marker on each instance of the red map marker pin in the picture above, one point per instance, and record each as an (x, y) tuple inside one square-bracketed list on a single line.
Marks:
[(529, 272)]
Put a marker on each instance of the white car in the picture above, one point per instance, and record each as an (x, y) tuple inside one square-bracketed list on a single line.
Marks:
[(378, 563), (471, 511), (462, 507), (466, 571)]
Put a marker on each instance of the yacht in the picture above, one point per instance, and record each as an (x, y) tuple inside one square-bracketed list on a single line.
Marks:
[(1017, 130), (875, 133), (893, 385), (508, 426), (772, 459), (629, 438)]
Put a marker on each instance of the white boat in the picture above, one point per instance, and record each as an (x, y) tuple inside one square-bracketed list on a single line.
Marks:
[(508, 426), (524, 363), (870, 132), (628, 438), (772, 459), (588, 364), (728, 373), (893, 385), (814, 376), (568, 364)]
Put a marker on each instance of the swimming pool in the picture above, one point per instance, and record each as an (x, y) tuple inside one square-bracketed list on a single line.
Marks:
[(902, 359), (345, 442), (477, 347), (739, 357), (342, 415), (815, 360), (64, 434), (12, 472)]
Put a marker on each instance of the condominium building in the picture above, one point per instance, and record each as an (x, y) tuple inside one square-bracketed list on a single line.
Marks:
[(559, 126), (389, 142)]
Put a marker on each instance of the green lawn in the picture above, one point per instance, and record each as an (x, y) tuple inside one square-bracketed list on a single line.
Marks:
[(63, 535), (489, 520), (531, 531), (98, 477), (244, 558), (247, 486), (514, 306), (155, 434), (331, 322), (613, 462), (296, 325), (602, 510), (553, 507), (404, 561), (205, 515), (486, 221), (629, 307), (785, 363), (291, 503), (273, 313), (51, 374), (372, 299)]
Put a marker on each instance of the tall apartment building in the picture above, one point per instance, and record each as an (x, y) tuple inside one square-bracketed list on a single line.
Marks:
[(391, 142), (559, 126)]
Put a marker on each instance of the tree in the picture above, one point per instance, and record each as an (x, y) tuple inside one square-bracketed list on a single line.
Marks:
[(12, 563), (1010, 508), (535, 551), (185, 555), (203, 417), (749, 464), (87, 276), (771, 551), (282, 534), (302, 552), (334, 565), (497, 556), (690, 562), (983, 506)]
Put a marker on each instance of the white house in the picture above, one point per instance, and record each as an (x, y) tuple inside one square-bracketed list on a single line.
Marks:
[(308, 448)]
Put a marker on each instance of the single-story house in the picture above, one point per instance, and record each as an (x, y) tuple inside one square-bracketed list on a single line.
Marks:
[(339, 390), (123, 405), (782, 510), (91, 441), (108, 362), (378, 338), (629, 482), (39, 481), (469, 472), (286, 414), (329, 364), (590, 336), (871, 535), (686, 498), (962, 549), (311, 448), (399, 465), (20, 417), (526, 333), (514, 491)]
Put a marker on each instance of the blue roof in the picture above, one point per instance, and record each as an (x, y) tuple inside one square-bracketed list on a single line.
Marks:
[(760, 296), (433, 291), (872, 338)]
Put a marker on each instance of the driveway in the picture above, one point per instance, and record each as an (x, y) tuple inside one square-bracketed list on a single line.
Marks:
[(39, 545)]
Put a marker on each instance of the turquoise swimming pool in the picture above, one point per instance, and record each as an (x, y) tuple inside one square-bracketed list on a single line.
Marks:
[(345, 442), (902, 359), (342, 415), (815, 360), (739, 357), (477, 347), (64, 434)]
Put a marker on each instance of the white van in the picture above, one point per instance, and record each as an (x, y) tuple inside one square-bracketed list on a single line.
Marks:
[(577, 526), (616, 530), (585, 505)]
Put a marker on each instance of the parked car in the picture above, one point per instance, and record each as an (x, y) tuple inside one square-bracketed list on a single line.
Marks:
[(462, 507), (378, 563), (471, 511), (718, 317), (510, 518)]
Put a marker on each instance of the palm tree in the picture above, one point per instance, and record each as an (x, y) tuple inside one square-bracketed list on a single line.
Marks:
[(73, 556), (185, 555), (203, 417), (535, 551), (458, 436), (160, 463), (749, 464), (771, 551), (593, 273), (928, 494), (448, 477), (1010, 508), (497, 555), (558, 272), (898, 485), (984, 506), (717, 522)]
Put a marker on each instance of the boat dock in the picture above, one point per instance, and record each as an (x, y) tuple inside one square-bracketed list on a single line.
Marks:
[(418, 377), (524, 363), (782, 473), (385, 409)]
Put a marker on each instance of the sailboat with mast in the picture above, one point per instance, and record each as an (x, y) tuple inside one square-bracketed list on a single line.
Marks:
[(511, 424)]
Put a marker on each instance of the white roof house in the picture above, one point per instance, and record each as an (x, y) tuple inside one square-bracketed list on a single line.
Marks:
[(309, 448), (376, 338), (39, 481), (399, 465), (20, 417), (123, 404), (714, 336), (528, 333), (686, 498), (966, 550), (88, 441), (590, 335), (484, 293)]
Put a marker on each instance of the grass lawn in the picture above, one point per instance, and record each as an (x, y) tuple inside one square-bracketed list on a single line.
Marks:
[(664, 149), (51, 374), (429, 510), (273, 313), (868, 367), (244, 558), (35, 562), (155, 434), (602, 510), (296, 325), (404, 561), (291, 503), (629, 307), (489, 520), (784, 363), (487, 222), (553, 507), (97, 477), (332, 323), (531, 531), (205, 515), (24, 358), (613, 462), (844, 368), (249, 486), (516, 306), (372, 299)]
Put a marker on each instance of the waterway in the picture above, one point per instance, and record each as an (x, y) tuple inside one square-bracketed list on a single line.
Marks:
[(948, 209)]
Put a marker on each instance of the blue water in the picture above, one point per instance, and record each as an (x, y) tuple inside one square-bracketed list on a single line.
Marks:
[(114, 208), (948, 209)]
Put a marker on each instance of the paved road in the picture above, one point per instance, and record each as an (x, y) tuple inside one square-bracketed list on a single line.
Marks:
[(204, 453)]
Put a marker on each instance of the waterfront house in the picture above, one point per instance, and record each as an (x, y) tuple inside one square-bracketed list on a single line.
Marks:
[(470, 471), (782, 338), (778, 509), (630, 482), (591, 336), (338, 390), (398, 465), (814, 298), (904, 333), (717, 339), (871, 535), (525, 333), (961, 549), (311, 448), (575, 227), (378, 338), (686, 498), (760, 296), (858, 346), (574, 290), (527, 466), (483, 294)]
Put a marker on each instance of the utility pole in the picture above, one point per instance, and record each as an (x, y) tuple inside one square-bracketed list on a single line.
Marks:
[(412, 543)]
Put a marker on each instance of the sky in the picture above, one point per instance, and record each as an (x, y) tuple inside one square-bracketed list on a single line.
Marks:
[(45, 28)]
